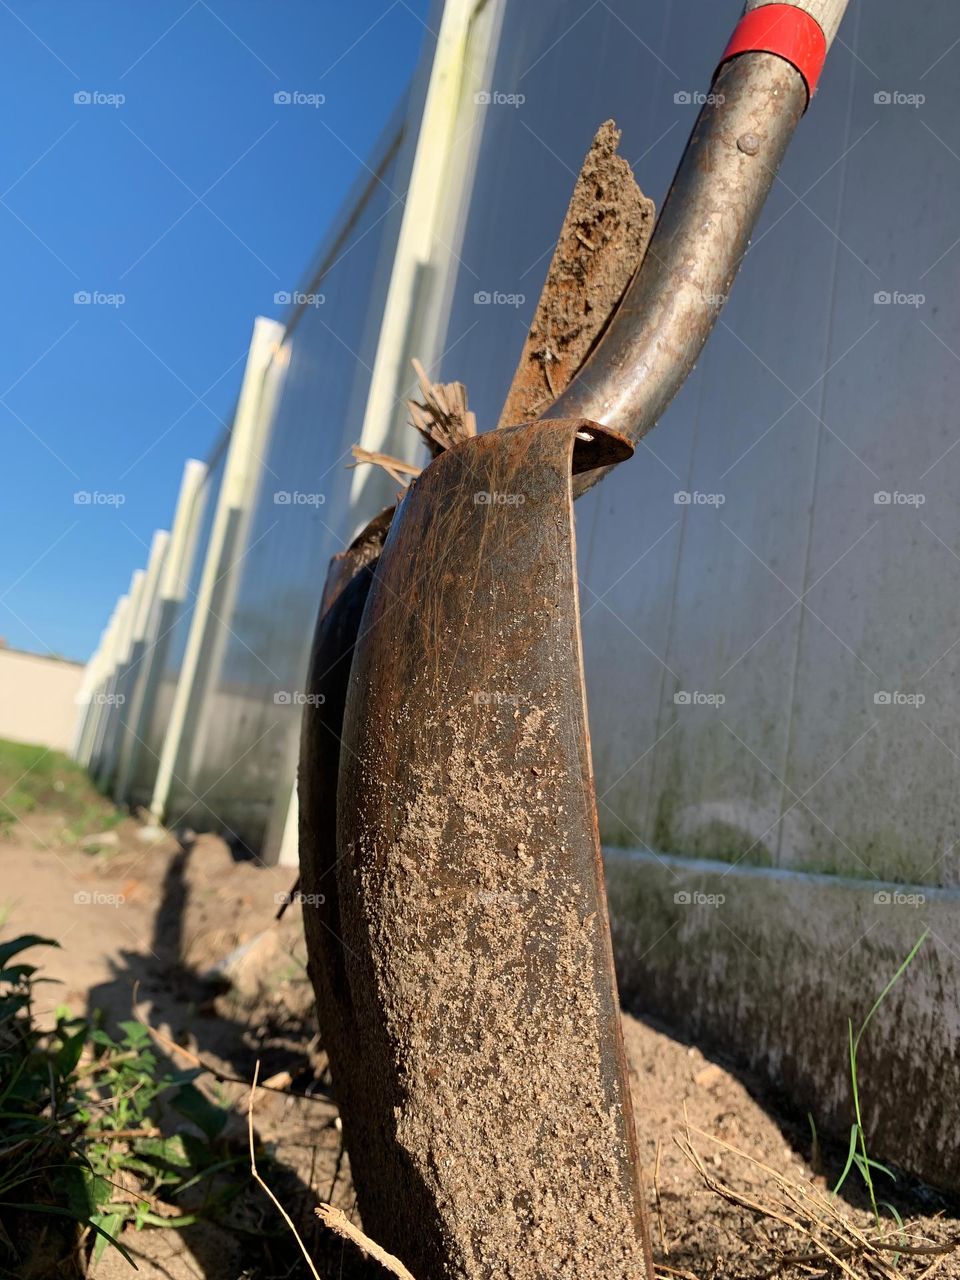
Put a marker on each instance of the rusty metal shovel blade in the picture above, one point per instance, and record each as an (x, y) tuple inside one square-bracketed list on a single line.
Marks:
[(477, 1049)]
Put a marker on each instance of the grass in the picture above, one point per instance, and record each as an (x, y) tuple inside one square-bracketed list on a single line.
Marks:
[(36, 778), (88, 1142), (857, 1155)]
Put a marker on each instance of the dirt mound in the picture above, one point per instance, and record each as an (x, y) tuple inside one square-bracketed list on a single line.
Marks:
[(259, 1007)]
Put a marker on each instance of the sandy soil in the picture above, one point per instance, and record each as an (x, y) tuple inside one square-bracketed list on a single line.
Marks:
[(163, 917)]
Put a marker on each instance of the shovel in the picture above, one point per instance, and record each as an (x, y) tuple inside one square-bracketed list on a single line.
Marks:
[(453, 889)]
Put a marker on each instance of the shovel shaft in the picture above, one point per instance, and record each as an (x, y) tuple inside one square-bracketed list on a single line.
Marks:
[(826, 13), (704, 229)]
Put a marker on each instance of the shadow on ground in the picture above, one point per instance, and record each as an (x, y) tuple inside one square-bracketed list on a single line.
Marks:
[(251, 1242)]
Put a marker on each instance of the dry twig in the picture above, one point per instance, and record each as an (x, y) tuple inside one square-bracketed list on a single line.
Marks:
[(805, 1210), (222, 1077), (338, 1221), (260, 1182)]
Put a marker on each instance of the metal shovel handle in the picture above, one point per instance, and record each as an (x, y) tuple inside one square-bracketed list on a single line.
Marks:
[(762, 88)]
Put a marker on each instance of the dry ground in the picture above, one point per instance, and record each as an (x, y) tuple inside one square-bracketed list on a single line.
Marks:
[(162, 916)]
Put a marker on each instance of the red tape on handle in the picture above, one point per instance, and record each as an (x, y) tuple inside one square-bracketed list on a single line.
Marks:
[(785, 30)]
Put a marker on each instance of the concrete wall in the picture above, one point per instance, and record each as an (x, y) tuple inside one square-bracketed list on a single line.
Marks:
[(38, 699), (770, 671)]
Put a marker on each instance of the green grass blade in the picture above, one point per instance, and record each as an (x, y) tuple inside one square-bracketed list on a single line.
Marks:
[(892, 983), (851, 1156)]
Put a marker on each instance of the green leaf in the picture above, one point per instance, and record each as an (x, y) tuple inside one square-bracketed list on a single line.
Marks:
[(177, 1223), (169, 1150), (98, 1222), (106, 1225), (135, 1033), (206, 1115), (99, 1189), (68, 1055), (209, 1172), (851, 1157)]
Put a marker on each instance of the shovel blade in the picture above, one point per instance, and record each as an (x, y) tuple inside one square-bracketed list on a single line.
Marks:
[(497, 1137)]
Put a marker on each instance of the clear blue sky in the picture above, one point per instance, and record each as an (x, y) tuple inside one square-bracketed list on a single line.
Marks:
[(197, 198)]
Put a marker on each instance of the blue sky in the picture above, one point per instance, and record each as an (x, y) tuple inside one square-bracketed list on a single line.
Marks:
[(196, 198)]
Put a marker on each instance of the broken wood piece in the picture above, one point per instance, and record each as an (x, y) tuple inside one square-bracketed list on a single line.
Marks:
[(396, 468), (602, 242), (443, 418)]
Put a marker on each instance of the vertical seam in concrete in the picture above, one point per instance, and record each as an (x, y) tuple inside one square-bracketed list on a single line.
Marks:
[(815, 466), (677, 570), (657, 82)]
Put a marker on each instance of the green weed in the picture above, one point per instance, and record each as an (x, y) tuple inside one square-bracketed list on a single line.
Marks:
[(81, 1112), (857, 1154)]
